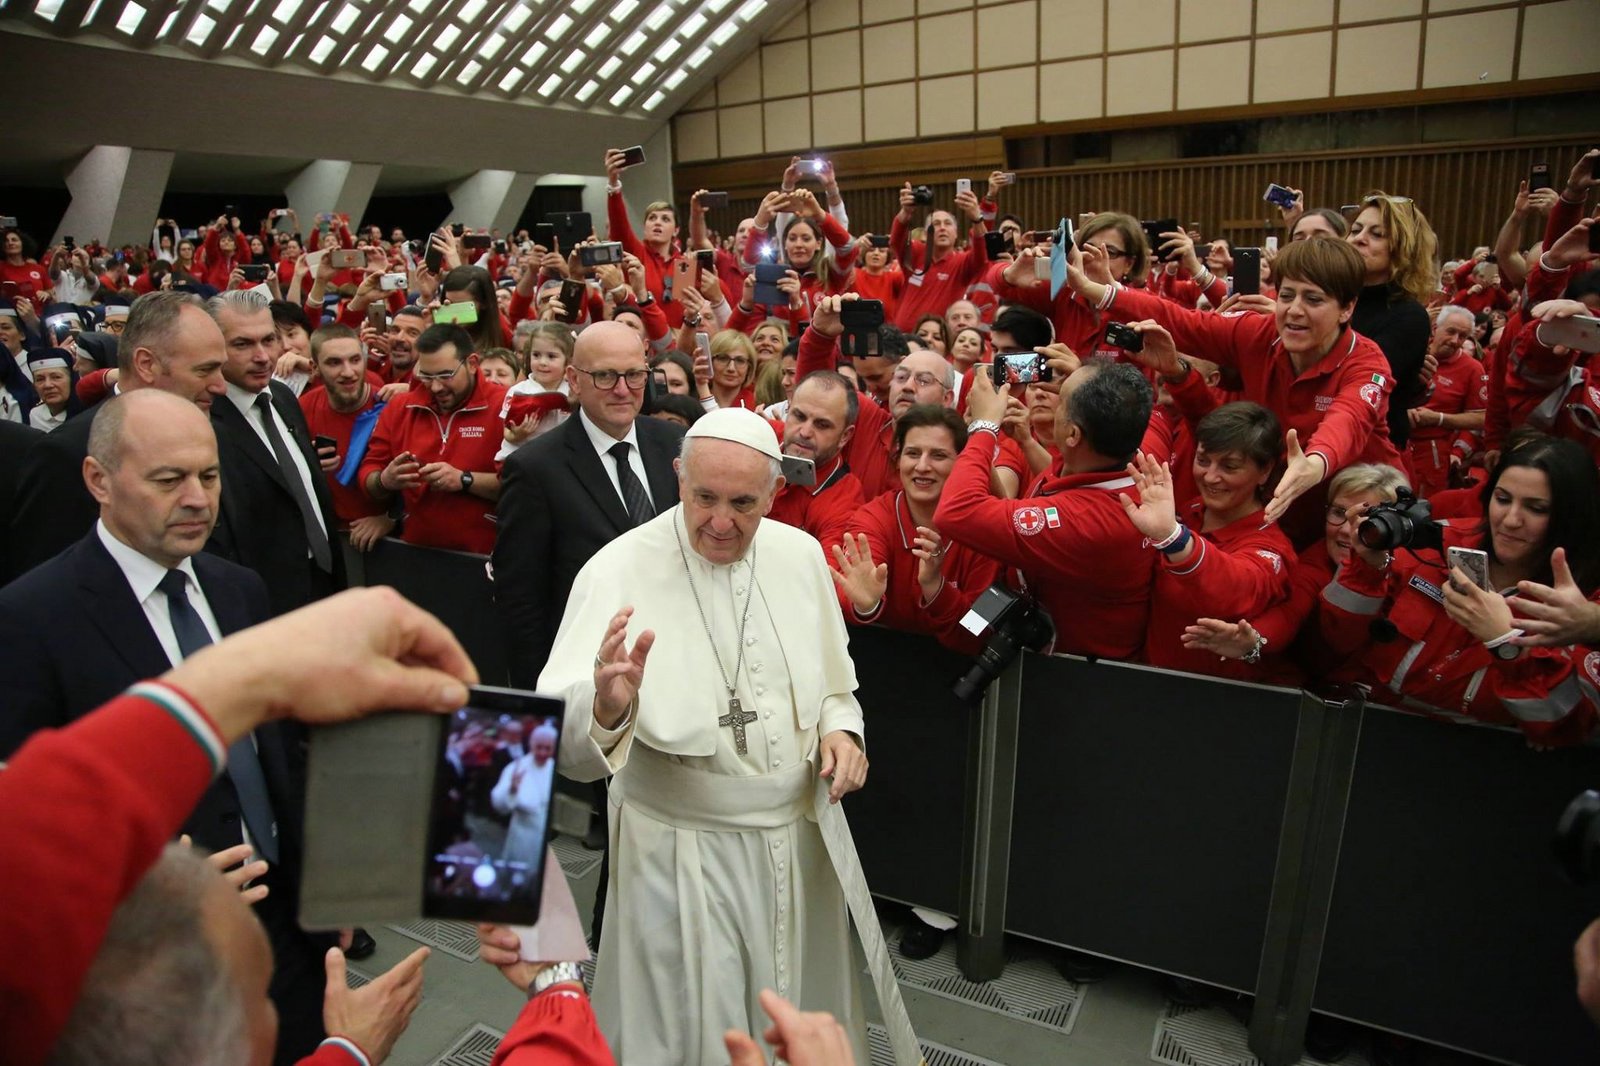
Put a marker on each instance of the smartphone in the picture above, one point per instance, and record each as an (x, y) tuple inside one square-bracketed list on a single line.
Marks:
[(598, 254), (813, 165), (496, 759), (997, 244), (1279, 195), (8, 221), (1007, 178), (861, 320), (1019, 368), (879, 240), (798, 471), (464, 313), (632, 157), (1594, 238), (1272, 245), (544, 235), (457, 229), (501, 247), (347, 259), (477, 242), (322, 443), (572, 293), (702, 347), (767, 277), (1580, 332), (571, 228), (68, 243), (432, 259), (1539, 176), (709, 200), (705, 260), (1472, 562), (1247, 271), (1153, 230), (8, 292), (392, 283), (377, 316), (963, 185), (255, 273), (1041, 267)]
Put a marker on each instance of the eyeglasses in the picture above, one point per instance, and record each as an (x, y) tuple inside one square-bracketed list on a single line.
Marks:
[(736, 361), (607, 379), (924, 379), (1337, 516), (430, 378), (1113, 252)]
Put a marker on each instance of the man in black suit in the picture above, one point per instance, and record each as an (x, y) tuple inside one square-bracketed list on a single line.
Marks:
[(130, 600), (170, 344), (15, 441), (276, 508)]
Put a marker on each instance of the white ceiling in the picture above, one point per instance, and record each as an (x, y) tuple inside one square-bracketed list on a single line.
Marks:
[(636, 58)]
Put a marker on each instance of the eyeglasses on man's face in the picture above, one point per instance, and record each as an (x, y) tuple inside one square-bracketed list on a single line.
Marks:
[(428, 379), (607, 379)]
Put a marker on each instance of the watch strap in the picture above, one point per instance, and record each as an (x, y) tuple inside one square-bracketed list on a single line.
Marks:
[(981, 424), (554, 974)]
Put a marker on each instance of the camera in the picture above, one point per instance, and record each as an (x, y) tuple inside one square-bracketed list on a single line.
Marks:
[(1405, 523), (921, 194), (1019, 368), (1013, 622), (254, 272), (1121, 335), (598, 254), (1577, 839)]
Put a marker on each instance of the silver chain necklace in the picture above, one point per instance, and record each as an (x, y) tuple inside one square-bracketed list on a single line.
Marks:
[(737, 716)]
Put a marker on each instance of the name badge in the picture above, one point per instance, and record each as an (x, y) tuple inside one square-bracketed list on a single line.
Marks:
[(1428, 589)]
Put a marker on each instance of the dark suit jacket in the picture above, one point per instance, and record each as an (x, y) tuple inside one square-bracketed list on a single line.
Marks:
[(260, 524), (16, 440), (557, 508), (53, 508)]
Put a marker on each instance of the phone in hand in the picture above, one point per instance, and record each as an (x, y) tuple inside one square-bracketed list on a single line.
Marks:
[(462, 313), (1153, 230), (572, 293), (632, 157), (798, 470), (457, 229), (604, 253), (709, 200), (321, 443), (997, 244), (963, 185), (862, 320), (767, 277), (8, 292), (1594, 237), (1581, 333), (1006, 178), (1539, 177), (1247, 271), (1019, 368), (8, 221), (544, 235), (571, 228), (705, 261), (477, 242), (255, 273), (1279, 196), (1471, 561), (377, 316), (346, 259)]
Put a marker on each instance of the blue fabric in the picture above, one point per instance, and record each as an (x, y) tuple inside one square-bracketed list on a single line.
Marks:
[(360, 437), (1058, 258)]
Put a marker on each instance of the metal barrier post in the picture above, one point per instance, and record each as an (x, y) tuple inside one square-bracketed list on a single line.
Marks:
[(1302, 883), (986, 832)]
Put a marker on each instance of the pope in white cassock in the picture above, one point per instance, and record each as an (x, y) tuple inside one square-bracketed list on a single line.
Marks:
[(732, 866), (523, 792)]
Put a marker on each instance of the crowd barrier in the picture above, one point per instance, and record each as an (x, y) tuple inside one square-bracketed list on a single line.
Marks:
[(1337, 857)]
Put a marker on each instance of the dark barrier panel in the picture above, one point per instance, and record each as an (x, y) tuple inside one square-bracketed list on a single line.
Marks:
[(1148, 810), (907, 820), (453, 585), (1450, 919)]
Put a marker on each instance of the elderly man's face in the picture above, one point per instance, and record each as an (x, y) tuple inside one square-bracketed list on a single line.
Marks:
[(191, 366), (920, 378), (724, 490), (607, 349), (162, 496)]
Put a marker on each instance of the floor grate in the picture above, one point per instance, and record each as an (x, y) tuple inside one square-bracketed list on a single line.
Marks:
[(1211, 1036), (475, 1047), (1030, 990), (457, 939), (354, 978), (576, 860), (932, 1054)]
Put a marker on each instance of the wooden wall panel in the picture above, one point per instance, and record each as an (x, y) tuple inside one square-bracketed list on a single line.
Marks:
[(1465, 189)]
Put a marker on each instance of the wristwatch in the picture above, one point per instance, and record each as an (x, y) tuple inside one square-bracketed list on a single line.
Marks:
[(466, 481), (554, 974), (981, 424)]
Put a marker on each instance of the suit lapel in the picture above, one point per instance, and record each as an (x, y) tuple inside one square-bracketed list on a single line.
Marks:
[(591, 473), (230, 421), (288, 408), (108, 602)]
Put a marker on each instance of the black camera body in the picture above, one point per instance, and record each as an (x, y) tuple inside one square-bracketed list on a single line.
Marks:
[(1121, 335), (922, 194), (1013, 622), (1405, 523)]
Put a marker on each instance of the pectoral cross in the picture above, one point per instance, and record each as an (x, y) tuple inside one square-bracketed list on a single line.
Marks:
[(737, 717)]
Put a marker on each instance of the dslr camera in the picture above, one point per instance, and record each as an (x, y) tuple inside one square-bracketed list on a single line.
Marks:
[(1013, 622), (922, 194), (1405, 523), (1121, 335)]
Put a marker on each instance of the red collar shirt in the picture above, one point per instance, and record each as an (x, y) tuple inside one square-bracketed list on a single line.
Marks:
[(351, 501), (467, 438), (869, 447), (823, 509)]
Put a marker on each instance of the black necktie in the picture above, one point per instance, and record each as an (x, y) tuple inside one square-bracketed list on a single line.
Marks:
[(640, 509), (321, 550), (244, 765)]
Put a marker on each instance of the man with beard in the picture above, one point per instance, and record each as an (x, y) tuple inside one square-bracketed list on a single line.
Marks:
[(819, 423), (394, 353), (345, 409)]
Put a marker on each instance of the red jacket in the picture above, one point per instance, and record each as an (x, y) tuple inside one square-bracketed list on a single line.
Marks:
[(932, 287), (1186, 292), (869, 447), (1436, 666), (31, 279), (886, 287), (1071, 543), (1238, 571), (656, 267), (351, 501), (215, 268), (1558, 394), (891, 532), (467, 439), (556, 1028), (1077, 325), (823, 509), (1459, 385)]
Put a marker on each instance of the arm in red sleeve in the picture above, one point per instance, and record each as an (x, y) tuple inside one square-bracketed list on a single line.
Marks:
[(210, 251), (556, 1028), (844, 252), (1281, 622), (381, 448), (1237, 583), (900, 244), (1159, 434), (521, 307), (620, 227), (966, 575), (1216, 292), (1462, 275), (1496, 416), (1544, 691), (745, 321), (94, 387), (976, 260), (1563, 216), (1036, 297), (88, 810), (816, 353), (1545, 284), (1193, 398), (656, 325), (838, 506), (1225, 339), (1350, 421), (1349, 603), (241, 250)]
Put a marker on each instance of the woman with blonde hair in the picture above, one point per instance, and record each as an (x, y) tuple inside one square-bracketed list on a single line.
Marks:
[(1400, 255), (733, 368)]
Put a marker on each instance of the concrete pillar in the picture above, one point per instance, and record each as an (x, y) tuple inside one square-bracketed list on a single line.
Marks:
[(491, 199), (116, 193), (653, 180), (333, 185)]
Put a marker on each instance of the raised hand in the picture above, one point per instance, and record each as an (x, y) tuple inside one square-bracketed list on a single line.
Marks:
[(929, 548), (1555, 615), (1301, 472), (1155, 515), (862, 581), (1226, 640), (619, 671)]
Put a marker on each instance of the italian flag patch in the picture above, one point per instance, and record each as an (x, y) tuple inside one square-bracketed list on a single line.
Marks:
[(1052, 517), (1377, 379)]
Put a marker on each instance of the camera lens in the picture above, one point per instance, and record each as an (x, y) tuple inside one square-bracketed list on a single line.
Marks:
[(1375, 533)]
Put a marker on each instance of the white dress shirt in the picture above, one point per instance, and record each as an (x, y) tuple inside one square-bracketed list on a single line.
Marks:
[(246, 403), (144, 576), (603, 443)]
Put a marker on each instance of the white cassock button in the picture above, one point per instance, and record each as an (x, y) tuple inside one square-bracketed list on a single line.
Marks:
[(755, 668), (766, 714), (777, 762), (761, 690), (749, 640), (740, 590)]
